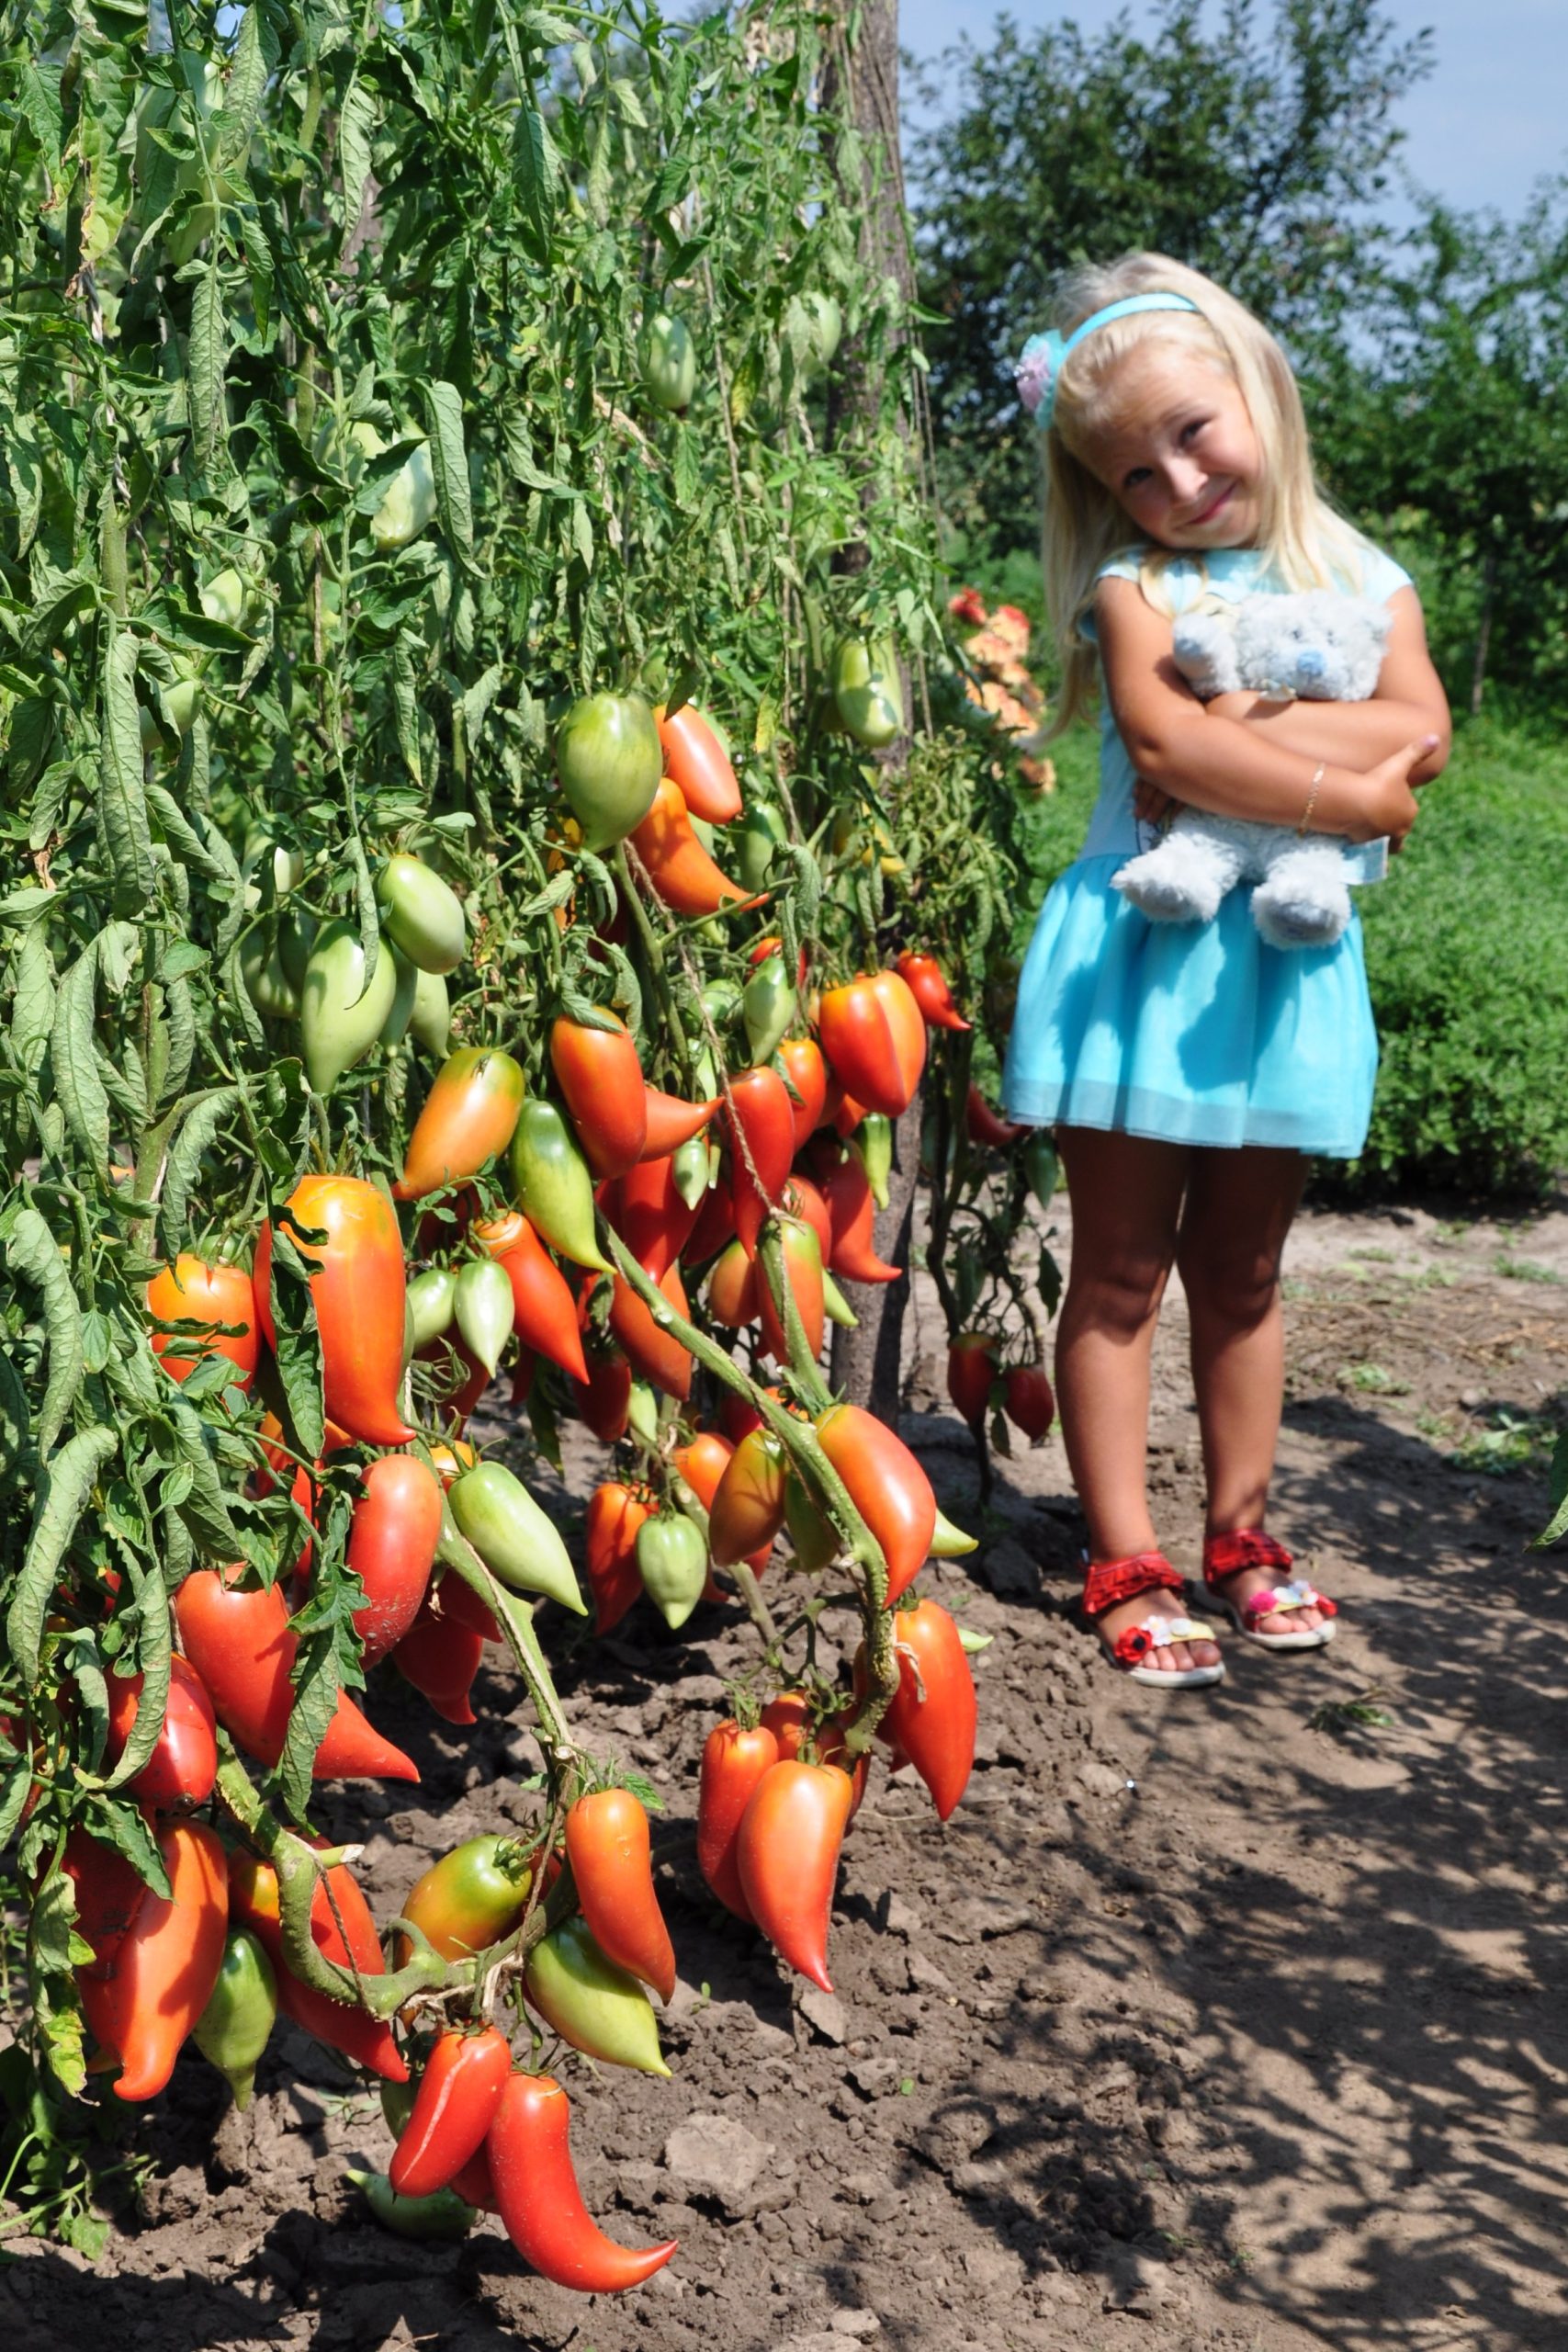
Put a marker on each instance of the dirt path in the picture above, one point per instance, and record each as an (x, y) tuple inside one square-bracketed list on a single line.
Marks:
[(1223, 2023)]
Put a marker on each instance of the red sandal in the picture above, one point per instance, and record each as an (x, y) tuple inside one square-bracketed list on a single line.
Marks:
[(1108, 1582), (1249, 1547)]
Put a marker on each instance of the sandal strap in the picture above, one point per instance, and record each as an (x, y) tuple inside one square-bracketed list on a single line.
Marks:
[(1133, 1643), (1301, 1594), (1248, 1547), (1110, 1582)]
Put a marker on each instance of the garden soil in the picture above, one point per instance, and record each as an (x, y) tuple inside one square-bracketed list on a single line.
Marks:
[(1231, 2021)]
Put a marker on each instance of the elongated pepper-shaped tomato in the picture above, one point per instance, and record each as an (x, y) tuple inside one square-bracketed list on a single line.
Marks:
[(391, 1548), (440, 1654), (454, 2108), (541, 2205), (748, 1507), (654, 1354), (886, 1485), (802, 1274), (240, 1646), (852, 1213), (644, 1208), (761, 1120), (936, 1732), (600, 1075), (342, 2025), (543, 1312), (682, 872), (698, 763), (733, 1762), (162, 1969), (807, 1074), (358, 1298), (469, 1114), (608, 1847), (184, 1765), (616, 1512), (923, 977), (673, 1121), (875, 1038), (787, 1852), (191, 1291)]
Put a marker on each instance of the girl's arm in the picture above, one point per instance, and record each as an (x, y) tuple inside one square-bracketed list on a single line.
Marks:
[(1407, 701), (1223, 764)]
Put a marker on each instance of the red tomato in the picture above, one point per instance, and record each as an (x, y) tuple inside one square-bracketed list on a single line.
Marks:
[(852, 1214), (440, 1656), (455, 1599), (1028, 1401), (453, 2109), (368, 2040), (794, 1723), (608, 1847), (644, 1207), (971, 1368), (144, 2000), (936, 1733), (733, 1762), (240, 1644), (803, 1273), (787, 1853), (359, 1296), (804, 1199), (391, 1548), (715, 1224), (806, 1074), (673, 1122), (615, 1514), (544, 1313), (535, 2188), (182, 1766), (653, 1354), (737, 1417), (604, 1400), (733, 1289), (698, 763), (923, 975), (874, 1039), (600, 1076), (886, 1485), (761, 1120), (191, 1291), (683, 874), (984, 1125)]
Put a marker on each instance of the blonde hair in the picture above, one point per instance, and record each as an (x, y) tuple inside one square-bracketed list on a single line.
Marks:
[(1305, 543)]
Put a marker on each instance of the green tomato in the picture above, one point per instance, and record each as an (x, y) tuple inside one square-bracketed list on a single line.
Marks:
[(768, 1004), (609, 760), (867, 694), (408, 504), (552, 1184), (601, 2009), (444, 2215), (339, 1017), (422, 913), (1040, 1167), (431, 1298), (668, 362), (265, 978), (232, 599), (827, 325), (295, 937), (430, 1023), (395, 1028), (812, 1533), (495, 1512), (672, 1561), (233, 2029), (753, 842), (872, 1141), (689, 1168), (483, 1305)]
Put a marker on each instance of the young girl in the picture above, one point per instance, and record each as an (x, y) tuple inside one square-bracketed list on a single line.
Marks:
[(1189, 1069)]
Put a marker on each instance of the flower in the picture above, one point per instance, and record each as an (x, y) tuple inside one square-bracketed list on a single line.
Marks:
[(1035, 374)]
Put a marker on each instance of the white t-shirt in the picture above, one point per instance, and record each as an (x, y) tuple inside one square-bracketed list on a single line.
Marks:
[(1229, 573)]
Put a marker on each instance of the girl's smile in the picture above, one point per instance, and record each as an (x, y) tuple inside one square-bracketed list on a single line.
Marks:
[(1182, 459)]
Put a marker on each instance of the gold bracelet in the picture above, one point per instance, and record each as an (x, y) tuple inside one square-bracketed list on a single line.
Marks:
[(1317, 776)]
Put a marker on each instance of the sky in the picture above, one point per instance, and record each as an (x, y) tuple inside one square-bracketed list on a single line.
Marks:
[(1486, 125)]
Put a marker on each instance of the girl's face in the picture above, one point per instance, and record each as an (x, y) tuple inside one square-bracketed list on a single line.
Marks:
[(1181, 456)]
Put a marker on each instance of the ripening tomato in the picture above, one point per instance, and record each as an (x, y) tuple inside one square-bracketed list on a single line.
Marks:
[(875, 1038), (851, 1214), (696, 759), (761, 1120), (344, 1933), (653, 1353), (608, 1846), (470, 1898), (803, 1273), (358, 1297), (609, 760), (984, 1125), (616, 1512), (971, 1369), (922, 975), (540, 2203), (886, 1485), (143, 2003), (421, 913), (440, 1656), (391, 1548), (806, 1073), (469, 1115), (683, 874), (600, 1075), (933, 1715), (453, 2109), (645, 1208), (748, 1507), (673, 1122), (734, 1761), (192, 1291), (184, 1765), (787, 1852), (1027, 1400)]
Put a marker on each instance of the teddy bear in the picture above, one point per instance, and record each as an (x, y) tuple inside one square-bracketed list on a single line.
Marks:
[(1322, 646)]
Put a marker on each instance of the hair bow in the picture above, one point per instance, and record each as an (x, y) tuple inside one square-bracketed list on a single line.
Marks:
[(1036, 372)]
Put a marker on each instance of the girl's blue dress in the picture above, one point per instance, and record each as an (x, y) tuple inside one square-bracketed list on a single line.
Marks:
[(1190, 1033)]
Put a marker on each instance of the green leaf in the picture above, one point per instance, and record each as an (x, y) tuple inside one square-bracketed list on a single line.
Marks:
[(357, 129), (74, 1058), (449, 463), (155, 1644), (33, 1250), (316, 1686), (537, 169), (205, 1510), (207, 1114), (64, 1485), (298, 1344), (123, 801), (32, 1004), (207, 356), (1557, 1525), (51, 1983)]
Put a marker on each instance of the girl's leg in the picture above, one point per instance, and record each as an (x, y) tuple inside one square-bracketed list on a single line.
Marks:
[(1126, 1204), (1238, 1210)]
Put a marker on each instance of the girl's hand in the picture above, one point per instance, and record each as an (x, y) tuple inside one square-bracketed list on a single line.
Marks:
[(1152, 806), (1384, 802)]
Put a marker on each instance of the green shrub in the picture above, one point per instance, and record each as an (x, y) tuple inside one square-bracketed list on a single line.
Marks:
[(1467, 954)]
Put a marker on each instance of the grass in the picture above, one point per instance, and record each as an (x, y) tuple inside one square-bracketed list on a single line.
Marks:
[(1464, 956), (1364, 1713), (1525, 1270)]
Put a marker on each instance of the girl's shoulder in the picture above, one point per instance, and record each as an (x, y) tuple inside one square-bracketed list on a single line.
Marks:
[(1177, 583)]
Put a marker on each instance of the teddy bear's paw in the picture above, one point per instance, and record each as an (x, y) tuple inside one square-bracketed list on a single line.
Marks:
[(1170, 884), (1290, 911)]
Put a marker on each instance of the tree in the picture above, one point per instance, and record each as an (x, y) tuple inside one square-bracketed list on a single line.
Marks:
[(1253, 150)]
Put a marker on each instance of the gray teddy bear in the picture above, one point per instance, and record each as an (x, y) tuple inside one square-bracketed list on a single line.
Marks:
[(1320, 646)]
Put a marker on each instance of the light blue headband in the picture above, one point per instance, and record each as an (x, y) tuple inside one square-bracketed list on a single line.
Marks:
[(1039, 371)]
